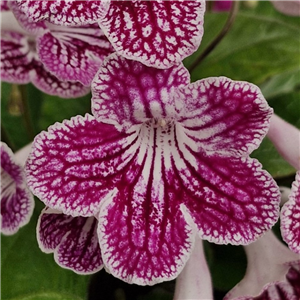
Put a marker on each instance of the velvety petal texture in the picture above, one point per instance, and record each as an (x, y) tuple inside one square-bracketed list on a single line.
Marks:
[(73, 241), (16, 200), (157, 33), (145, 167), (290, 217), (68, 12)]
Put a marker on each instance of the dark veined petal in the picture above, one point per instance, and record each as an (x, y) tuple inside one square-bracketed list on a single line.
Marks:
[(290, 217), (16, 200), (73, 53), (73, 241), (127, 92), (224, 117), (64, 12), (74, 165), (20, 64), (232, 200), (157, 33)]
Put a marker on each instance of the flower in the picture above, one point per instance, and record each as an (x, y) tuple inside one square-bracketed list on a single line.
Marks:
[(290, 217), (16, 200), (156, 33), (273, 272), (58, 60), (73, 241), (194, 282), (222, 5), (159, 154), (291, 8)]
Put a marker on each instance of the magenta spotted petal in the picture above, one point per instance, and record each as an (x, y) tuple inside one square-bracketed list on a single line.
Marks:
[(290, 217), (73, 53), (145, 162), (20, 64), (156, 33), (73, 241), (68, 12), (16, 200)]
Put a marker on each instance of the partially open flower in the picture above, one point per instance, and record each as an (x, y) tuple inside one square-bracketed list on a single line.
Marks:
[(73, 241), (273, 272), (156, 33), (16, 200), (159, 154), (58, 60)]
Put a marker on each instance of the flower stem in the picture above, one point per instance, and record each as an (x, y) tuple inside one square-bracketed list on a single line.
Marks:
[(231, 18)]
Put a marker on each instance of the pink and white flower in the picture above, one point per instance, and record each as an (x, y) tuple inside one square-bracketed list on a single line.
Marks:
[(273, 272), (16, 200), (56, 59), (73, 241), (156, 33), (160, 156)]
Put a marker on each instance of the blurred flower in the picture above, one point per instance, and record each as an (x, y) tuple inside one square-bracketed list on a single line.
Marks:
[(273, 272), (16, 200), (159, 154), (221, 5), (194, 282), (291, 8), (73, 241), (56, 59), (290, 217), (156, 33)]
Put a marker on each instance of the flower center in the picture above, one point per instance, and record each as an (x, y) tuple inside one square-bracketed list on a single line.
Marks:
[(8, 185)]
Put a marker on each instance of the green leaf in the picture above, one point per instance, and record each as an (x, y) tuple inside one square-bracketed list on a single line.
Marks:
[(261, 44), (29, 274), (56, 109)]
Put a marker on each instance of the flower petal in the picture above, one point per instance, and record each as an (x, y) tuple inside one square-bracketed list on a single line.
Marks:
[(20, 64), (16, 200), (127, 92), (73, 53), (73, 241), (157, 33), (290, 217), (69, 12), (144, 237), (73, 166), (231, 200), (223, 116)]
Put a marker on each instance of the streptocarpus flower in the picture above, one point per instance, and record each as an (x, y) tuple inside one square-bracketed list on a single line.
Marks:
[(160, 154), (290, 217), (156, 33), (194, 282), (291, 8), (273, 272), (16, 200), (59, 60), (73, 241)]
